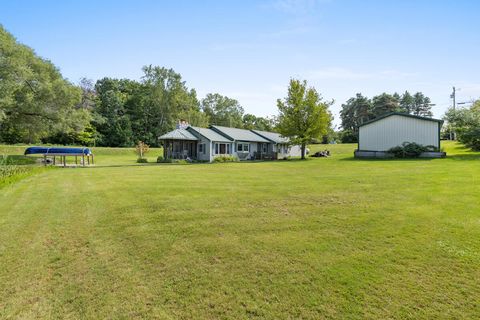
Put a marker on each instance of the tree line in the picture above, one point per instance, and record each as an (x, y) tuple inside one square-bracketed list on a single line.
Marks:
[(360, 109), (38, 105), (464, 124)]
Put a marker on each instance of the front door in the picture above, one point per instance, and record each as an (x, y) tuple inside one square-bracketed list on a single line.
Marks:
[(192, 150), (223, 148)]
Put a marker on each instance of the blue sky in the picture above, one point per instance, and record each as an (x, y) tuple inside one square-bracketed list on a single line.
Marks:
[(248, 50)]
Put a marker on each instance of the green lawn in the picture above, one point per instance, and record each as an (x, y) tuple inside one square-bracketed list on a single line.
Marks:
[(103, 156), (323, 238)]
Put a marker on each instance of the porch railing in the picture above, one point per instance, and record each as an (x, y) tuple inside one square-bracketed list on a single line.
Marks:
[(265, 155)]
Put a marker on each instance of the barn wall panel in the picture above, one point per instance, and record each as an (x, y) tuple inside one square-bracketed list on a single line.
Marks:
[(394, 130)]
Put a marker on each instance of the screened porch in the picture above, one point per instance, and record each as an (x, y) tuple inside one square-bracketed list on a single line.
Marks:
[(179, 144)]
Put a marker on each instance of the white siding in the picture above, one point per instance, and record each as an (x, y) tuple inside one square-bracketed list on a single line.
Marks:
[(295, 151), (288, 151), (392, 131), (244, 156)]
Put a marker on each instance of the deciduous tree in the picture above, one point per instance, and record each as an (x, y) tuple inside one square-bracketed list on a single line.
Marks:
[(35, 100), (303, 114), (222, 110)]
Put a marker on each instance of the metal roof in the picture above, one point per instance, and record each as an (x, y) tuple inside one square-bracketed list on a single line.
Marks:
[(57, 150), (178, 134), (273, 136), (210, 134), (400, 114), (239, 134)]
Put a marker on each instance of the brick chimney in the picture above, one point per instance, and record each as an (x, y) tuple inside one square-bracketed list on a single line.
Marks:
[(182, 124)]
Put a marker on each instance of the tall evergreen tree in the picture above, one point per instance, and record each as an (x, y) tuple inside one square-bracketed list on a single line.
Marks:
[(422, 105), (384, 103), (355, 111), (407, 103)]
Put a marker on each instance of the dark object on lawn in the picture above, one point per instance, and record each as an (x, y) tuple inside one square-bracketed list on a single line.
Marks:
[(54, 152), (320, 154)]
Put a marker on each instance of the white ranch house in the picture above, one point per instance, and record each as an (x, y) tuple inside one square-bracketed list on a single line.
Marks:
[(207, 143)]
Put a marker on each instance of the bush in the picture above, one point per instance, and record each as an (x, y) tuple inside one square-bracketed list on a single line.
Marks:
[(348, 136), (411, 150), (470, 137), (160, 159), (225, 159), (141, 148), (465, 123), (142, 160)]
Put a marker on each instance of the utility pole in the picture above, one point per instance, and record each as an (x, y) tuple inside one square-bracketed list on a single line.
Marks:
[(452, 134), (453, 96)]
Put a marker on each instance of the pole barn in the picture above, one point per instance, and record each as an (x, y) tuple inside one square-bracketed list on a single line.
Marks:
[(377, 136)]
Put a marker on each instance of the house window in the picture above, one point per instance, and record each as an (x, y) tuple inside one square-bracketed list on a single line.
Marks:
[(264, 148), (222, 148), (243, 147)]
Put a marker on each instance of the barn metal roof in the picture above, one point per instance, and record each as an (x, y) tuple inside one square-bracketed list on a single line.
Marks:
[(400, 114)]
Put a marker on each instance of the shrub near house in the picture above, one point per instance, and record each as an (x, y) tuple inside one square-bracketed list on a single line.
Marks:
[(411, 150)]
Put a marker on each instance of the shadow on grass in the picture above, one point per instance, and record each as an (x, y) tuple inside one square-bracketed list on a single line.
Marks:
[(389, 159), (464, 156)]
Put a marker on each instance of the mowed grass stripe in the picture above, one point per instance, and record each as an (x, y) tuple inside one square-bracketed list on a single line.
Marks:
[(325, 238)]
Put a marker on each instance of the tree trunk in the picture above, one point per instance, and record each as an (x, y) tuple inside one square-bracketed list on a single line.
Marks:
[(303, 150)]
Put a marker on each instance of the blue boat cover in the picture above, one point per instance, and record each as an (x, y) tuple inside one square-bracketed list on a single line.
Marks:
[(57, 150)]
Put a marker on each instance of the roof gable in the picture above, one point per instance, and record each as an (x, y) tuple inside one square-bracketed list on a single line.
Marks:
[(239, 134), (273, 136), (210, 134), (402, 115), (178, 134)]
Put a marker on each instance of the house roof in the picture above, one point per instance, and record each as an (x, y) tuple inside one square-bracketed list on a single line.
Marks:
[(239, 134), (400, 114), (178, 134), (210, 134), (273, 136)]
